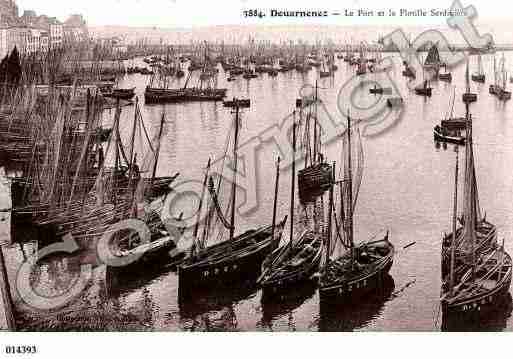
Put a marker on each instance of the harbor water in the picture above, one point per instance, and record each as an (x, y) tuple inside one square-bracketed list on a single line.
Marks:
[(407, 188)]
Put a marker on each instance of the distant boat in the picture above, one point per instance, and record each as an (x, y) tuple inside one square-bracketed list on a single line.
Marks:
[(498, 89), (122, 94), (447, 77), (479, 76), (424, 89)]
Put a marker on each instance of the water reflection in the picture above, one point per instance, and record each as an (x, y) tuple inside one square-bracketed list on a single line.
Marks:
[(348, 317), (274, 308), (213, 310)]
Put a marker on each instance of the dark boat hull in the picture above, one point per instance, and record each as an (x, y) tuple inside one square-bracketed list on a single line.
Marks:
[(359, 287), (424, 91), (478, 78), (445, 77), (278, 287), (229, 269), (475, 308), (440, 137)]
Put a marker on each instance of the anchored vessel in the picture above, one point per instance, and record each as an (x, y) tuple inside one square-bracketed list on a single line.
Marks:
[(297, 261), (237, 259), (498, 89), (362, 268), (476, 270)]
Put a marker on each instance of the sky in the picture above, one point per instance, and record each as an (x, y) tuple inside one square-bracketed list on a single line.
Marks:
[(187, 13)]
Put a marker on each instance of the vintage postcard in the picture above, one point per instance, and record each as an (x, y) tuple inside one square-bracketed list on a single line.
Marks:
[(257, 166)]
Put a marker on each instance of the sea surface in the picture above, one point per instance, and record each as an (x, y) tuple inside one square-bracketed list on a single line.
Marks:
[(407, 188)]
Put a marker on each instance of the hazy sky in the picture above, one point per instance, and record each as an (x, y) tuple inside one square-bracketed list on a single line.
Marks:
[(171, 13)]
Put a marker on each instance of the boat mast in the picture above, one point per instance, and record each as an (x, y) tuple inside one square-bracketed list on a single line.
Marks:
[(293, 179), (162, 120), (234, 182), (276, 186), (330, 210), (454, 216), (198, 216), (350, 186)]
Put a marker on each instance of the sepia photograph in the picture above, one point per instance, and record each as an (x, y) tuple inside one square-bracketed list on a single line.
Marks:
[(254, 166)]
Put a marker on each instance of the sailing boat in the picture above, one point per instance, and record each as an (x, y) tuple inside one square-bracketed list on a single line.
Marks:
[(236, 259), (362, 63), (476, 270), (433, 61), (325, 70), (424, 89), (450, 128), (479, 76), (446, 76), (297, 261), (498, 89), (205, 90), (362, 268)]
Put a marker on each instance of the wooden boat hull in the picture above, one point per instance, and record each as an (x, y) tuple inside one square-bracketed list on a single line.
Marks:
[(228, 268), (439, 136), (276, 286), (351, 290), (424, 91), (361, 284), (445, 77), (153, 96), (474, 307), (500, 93), (155, 253), (469, 97), (478, 78)]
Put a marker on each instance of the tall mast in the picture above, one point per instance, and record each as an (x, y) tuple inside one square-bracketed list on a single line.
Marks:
[(234, 182), (454, 216), (132, 139), (196, 226), (330, 209), (293, 179), (350, 186), (276, 186), (155, 163)]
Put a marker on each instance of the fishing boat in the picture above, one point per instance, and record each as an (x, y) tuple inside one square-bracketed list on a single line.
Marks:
[(296, 262), (441, 134), (424, 89), (498, 89), (446, 77), (476, 270), (324, 70), (433, 61), (122, 94), (205, 90), (479, 76), (237, 259), (451, 128), (408, 72), (361, 269)]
